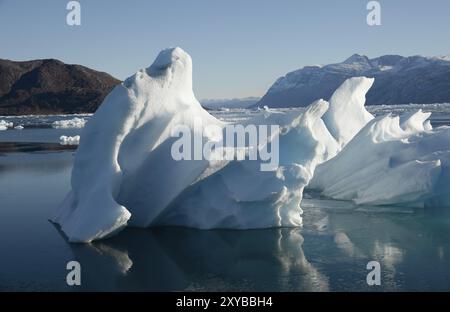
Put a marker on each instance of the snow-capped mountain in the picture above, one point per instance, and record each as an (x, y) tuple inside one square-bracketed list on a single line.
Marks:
[(399, 80)]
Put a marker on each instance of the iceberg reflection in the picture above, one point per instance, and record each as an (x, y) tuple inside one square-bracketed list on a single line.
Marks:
[(173, 259)]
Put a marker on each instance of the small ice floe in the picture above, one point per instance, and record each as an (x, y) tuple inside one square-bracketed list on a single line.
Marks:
[(4, 125), (69, 140), (70, 123), (19, 127)]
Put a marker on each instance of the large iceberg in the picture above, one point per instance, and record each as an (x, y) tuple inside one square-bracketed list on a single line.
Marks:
[(125, 174)]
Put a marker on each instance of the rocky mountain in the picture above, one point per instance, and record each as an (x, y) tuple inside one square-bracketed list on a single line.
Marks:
[(51, 87), (398, 80)]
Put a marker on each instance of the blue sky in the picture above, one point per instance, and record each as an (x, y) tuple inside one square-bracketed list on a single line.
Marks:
[(238, 47)]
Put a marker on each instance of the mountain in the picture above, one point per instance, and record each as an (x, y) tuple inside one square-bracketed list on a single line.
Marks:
[(398, 80), (230, 103), (51, 87)]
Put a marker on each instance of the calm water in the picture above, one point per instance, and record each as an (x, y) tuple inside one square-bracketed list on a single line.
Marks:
[(329, 253)]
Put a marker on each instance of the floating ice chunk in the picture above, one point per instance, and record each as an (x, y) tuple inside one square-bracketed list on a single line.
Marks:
[(69, 140), (4, 125), (70, 123), (19, 127)]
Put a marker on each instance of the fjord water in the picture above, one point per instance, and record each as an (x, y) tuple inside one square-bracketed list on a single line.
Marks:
[(329, 253)]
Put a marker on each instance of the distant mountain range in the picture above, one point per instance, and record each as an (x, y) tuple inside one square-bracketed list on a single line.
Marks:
[(51, 87), (398, 80), (230, 103)]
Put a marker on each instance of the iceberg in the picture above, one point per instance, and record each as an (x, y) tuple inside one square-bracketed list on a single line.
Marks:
[(4, 125), (69, 140), (240, 196), (125, 174), (393, 160), (69, 123)]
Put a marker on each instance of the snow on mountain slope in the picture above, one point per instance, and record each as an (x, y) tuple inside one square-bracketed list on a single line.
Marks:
[(399, 80)]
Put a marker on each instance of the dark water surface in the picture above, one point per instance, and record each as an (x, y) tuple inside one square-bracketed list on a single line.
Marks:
[(329, 253)]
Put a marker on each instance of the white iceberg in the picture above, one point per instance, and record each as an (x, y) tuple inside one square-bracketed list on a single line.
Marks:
[(240, 196), (4, 125), (69, 123), (69, 140), (124, 172), (391, 161)]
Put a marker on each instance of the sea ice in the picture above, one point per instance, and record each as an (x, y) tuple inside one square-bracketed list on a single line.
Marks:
[(4, 125), (70, 123), (69, 140)]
